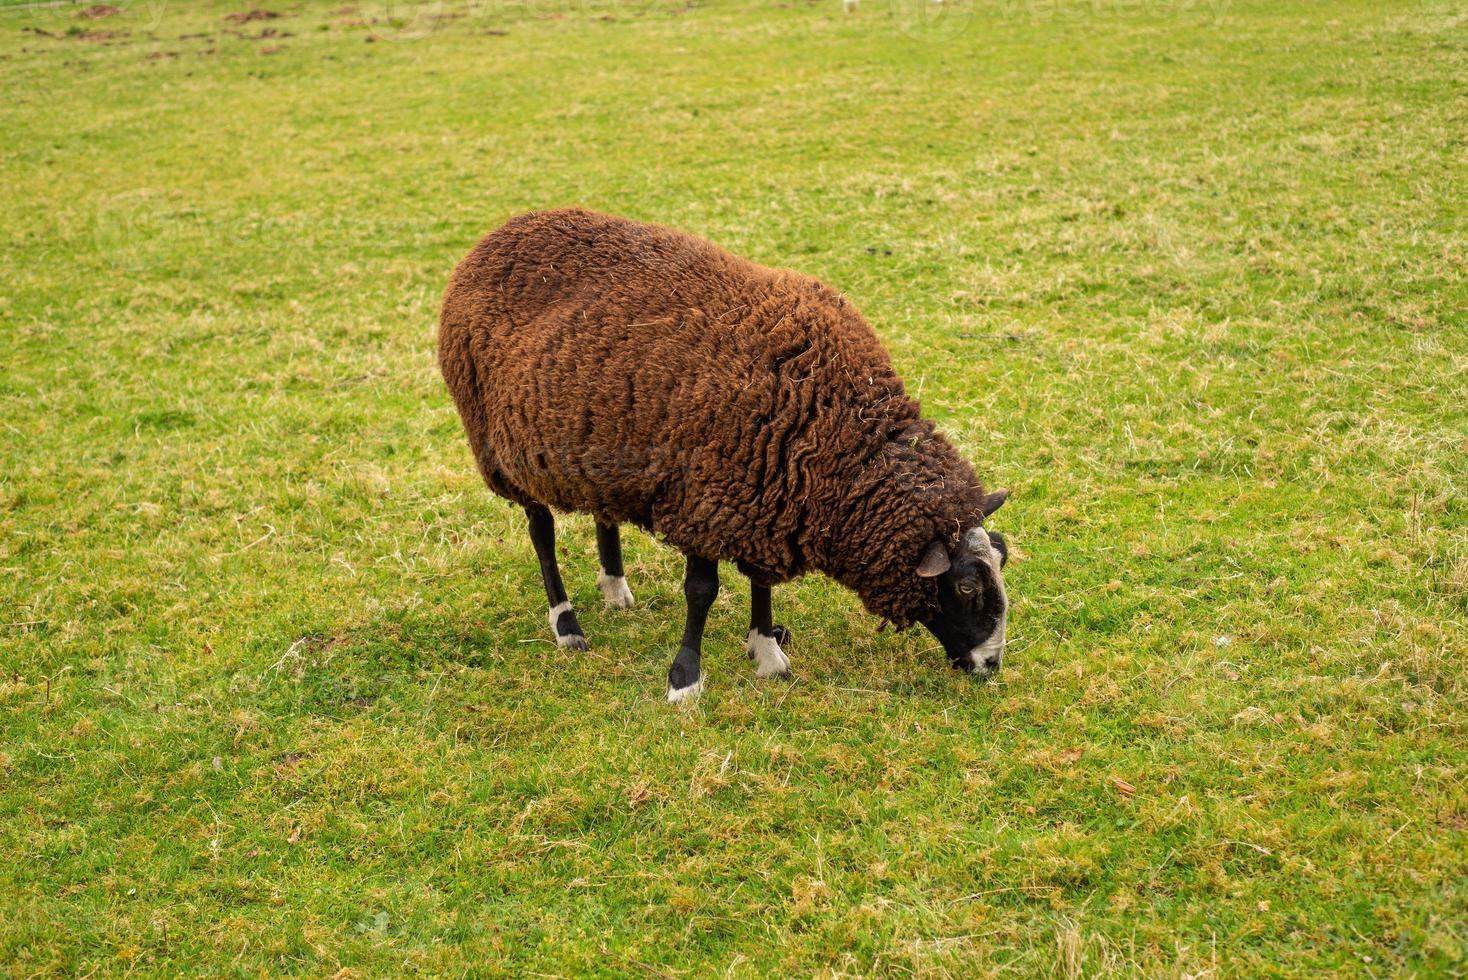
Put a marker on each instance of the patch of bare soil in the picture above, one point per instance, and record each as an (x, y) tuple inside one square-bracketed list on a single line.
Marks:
[(265, 34), (100, 10), (250, 15)]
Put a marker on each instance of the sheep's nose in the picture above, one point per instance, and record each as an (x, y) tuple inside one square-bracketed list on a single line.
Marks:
[(990, 663)]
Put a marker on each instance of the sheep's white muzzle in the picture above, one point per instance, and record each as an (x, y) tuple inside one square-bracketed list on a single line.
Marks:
[(987, 656)]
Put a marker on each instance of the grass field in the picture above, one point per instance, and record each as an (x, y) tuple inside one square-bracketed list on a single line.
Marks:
[(277, 693)]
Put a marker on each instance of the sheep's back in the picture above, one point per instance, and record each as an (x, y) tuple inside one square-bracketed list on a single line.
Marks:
[(644, 375)]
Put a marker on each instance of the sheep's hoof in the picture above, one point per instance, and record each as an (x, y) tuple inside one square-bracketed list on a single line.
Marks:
[(614, 590), (689, 693), (563, 624), (769, 659), (685, 680), (778, 633)]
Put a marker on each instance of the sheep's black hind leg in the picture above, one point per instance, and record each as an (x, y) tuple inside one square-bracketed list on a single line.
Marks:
[(765, 636), (700, 588), (562, 619), (612, 581)]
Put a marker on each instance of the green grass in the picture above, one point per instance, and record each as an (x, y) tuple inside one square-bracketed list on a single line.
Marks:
[(277, 694)]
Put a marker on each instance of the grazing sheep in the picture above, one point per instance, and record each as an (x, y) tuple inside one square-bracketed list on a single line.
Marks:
[(742, 413)]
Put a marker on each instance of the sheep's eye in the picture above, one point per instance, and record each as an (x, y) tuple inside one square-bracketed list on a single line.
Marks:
[(966, 590)]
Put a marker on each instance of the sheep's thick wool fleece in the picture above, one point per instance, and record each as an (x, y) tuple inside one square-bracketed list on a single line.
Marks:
[(743, 413)]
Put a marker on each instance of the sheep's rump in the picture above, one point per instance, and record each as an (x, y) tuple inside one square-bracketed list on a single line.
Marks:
[(642, 375)]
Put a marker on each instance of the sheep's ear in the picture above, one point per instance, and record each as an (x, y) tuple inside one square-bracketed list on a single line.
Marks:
[(994, 501), (935, 561)]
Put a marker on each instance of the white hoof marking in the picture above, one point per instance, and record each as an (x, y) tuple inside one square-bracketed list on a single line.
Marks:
[(573, 640), (614, 590), (689, 693), (769, 659), (555, 614)]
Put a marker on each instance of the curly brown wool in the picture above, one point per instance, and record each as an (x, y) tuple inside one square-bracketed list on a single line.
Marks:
[(743, 413)]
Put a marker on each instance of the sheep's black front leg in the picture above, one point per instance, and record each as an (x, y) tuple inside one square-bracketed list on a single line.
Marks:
[(612, 581), (700, 588), (562, 619), (765, 636)]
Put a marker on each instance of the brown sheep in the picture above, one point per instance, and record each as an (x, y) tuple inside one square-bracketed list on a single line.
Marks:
[(742, 413)]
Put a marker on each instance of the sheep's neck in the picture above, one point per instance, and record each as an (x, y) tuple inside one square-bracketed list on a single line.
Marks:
[(900, 500)]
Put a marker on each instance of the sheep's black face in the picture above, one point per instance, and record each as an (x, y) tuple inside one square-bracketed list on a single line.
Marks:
[(972, 607)]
